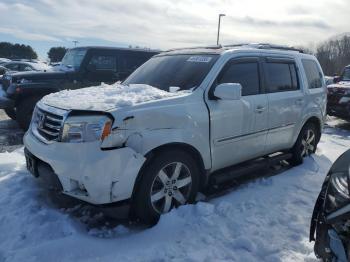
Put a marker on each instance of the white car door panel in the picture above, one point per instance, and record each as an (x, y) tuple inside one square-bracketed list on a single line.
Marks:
[(239, 127), (286, 101), (285, 111)]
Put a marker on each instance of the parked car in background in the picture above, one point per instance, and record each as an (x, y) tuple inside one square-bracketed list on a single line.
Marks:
[(163, 135), (20, 66), (339, 96), (4, 60), (329, 80), (80, 67), (3, 70)]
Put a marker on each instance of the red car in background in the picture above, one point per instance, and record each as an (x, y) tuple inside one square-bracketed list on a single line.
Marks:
[(339, 96)]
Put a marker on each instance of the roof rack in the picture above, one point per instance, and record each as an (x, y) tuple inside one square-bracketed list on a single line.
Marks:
[(197, 47), (266, 46), (279, 47), (252, 45)]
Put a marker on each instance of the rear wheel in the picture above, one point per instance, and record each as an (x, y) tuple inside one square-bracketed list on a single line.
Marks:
[(170, 180), (11, 113), (305, 145), (25, 110)]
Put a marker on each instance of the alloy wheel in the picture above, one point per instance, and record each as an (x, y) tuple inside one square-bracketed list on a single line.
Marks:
[(171, 187), (308, 143)]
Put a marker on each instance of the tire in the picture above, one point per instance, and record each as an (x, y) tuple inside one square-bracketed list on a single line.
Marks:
[(25, 110), (159, 190), (11, 113), (305, 145)]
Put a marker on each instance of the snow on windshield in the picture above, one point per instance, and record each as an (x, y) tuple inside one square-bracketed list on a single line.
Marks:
[(106, 97)]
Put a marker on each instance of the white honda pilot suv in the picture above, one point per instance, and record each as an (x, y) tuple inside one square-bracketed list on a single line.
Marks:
[(158, 138)]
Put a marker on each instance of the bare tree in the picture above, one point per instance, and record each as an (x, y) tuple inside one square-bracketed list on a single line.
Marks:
[(334, 55)]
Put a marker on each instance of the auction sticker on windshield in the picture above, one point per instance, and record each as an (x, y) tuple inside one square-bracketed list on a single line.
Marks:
[(199, 59)]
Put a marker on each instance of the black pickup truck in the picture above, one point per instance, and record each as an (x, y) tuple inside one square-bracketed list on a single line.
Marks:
[(80, 67)]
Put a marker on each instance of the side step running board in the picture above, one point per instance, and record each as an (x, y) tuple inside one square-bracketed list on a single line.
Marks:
[(231, 173)]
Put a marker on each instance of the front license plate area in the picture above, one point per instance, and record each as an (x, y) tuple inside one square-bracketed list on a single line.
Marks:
[(32, 164)]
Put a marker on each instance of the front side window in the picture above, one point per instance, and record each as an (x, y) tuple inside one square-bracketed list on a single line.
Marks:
[(13, 67), (346, 74), (184, 71), (244, 73), (101, 62), (313, 74), (73, 58), (281, 77)]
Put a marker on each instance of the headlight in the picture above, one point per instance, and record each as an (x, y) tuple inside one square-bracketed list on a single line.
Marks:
[(340, 182), (78, 129), (338, 191)]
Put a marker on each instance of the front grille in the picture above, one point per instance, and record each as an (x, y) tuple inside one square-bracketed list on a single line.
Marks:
[(47, 125)]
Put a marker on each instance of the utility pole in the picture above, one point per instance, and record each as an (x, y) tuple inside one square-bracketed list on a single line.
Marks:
[(75, 42), (217, 39)]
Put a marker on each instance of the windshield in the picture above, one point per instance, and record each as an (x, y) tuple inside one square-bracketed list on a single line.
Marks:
[(184, 72), (346, 74), (72, 59)]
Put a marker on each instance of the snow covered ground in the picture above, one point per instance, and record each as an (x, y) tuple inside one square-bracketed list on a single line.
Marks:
[(264, 220)]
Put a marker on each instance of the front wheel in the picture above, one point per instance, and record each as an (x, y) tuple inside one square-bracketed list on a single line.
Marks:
[(305, 145), (170, 180)]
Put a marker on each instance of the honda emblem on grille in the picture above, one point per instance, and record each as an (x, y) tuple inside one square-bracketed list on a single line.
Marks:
[(41, 121)]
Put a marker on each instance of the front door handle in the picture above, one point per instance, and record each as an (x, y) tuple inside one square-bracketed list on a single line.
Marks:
[(299, 101), (259, 109)]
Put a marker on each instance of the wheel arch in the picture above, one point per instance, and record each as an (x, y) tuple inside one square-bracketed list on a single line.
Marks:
[(318, 123), (150, 155)]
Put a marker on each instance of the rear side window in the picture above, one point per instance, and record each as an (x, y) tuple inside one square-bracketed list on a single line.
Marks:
[(14, 67), (244, 73), (281, 77), (104, 62), (129, 62), (313, 73)]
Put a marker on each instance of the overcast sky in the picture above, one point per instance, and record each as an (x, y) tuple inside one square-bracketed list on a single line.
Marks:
[(168, 23)]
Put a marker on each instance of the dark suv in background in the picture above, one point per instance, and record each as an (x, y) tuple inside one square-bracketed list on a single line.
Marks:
[(339, 96), (80, 67)]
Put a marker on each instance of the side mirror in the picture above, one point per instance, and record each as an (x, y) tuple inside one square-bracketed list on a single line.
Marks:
[(336, 79), (228, 91)]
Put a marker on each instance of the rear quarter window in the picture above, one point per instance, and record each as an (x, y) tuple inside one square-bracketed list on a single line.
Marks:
[(313, 73)]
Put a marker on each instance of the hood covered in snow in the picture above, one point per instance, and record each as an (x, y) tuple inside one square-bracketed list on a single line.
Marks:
[(106, 97), (342, 84)]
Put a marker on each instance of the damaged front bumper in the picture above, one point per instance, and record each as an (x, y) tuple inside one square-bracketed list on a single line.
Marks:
[(85, 171)]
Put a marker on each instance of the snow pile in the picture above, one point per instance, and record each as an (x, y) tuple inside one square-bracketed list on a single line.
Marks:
[(265, 220), (106, 97)]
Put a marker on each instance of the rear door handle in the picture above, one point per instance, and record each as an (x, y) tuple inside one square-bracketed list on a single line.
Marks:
[(259, 109)]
